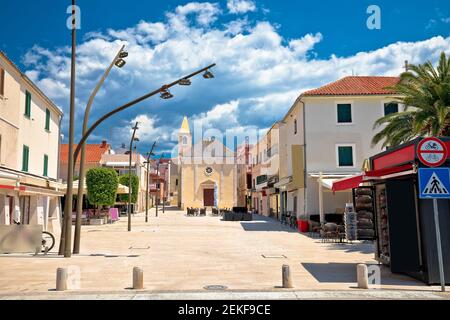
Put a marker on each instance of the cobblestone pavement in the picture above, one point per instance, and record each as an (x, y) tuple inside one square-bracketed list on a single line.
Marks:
[(185, 254)]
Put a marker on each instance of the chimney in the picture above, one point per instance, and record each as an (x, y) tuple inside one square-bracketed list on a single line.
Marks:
[(104, 143)]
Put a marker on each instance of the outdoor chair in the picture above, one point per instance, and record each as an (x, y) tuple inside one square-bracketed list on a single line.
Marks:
[(329, 232), (203, 212)]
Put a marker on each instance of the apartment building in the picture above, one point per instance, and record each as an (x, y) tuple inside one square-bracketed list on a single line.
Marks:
[(29, 151), (328, 135)]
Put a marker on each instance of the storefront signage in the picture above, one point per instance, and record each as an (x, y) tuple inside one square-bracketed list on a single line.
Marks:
[(434, 183), (432, 152)]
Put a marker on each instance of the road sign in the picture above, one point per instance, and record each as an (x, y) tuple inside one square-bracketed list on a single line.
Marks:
[(432, 152), (434, 183)]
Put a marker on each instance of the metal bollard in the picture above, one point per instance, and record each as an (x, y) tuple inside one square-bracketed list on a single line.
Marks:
[(61, 279), (138, 278), (286, 275), (362, 275)]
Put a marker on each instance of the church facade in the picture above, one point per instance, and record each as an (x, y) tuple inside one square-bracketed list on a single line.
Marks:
[(206, 172)]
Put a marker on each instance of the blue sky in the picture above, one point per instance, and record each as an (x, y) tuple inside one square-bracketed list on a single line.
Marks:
[(267, 52)]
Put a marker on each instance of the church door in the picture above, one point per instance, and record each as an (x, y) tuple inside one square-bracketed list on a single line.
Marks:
[(208, 197)]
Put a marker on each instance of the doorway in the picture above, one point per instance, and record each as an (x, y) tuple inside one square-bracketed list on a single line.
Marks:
[(208, 198)]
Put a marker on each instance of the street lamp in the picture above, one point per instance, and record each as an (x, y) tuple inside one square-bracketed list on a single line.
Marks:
[(64, 247), (165, 94), (66, 232), (208, 74), (76, 244), (149, 155), (133, 139)]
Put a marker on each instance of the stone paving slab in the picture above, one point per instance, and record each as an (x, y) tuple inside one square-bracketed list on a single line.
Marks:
[(236, 296), (180, 253)]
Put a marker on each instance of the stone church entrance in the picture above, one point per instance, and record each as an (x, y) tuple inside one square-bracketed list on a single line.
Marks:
[(208, 197)]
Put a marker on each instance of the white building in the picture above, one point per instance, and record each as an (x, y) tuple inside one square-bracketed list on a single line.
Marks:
[(29, 156), (328, 136)]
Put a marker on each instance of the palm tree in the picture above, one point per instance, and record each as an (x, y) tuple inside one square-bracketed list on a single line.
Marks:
[(425, 91)]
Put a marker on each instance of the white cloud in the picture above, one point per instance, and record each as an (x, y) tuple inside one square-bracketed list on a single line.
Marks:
[(241, 6), (258, 75)]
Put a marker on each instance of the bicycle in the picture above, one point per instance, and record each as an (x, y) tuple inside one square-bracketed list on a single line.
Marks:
[(47, 242)]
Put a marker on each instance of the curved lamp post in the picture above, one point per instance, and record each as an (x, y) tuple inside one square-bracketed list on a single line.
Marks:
[(165, 94), (130, 187), (119, 62)]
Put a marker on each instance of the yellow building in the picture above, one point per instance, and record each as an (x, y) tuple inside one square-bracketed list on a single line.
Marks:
[(207, 172)]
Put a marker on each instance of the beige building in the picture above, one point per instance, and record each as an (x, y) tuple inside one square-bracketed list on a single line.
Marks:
[(29, 142), (207, 172), (327, 136), (265, 173)]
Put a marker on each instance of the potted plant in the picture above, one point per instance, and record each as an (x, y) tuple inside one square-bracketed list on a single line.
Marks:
[(303, 223)]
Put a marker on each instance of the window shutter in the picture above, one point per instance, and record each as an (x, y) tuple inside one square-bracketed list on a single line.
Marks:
[(345, 156), (25, 157), (2, 82), (28, 104), (45, 165), (47, 119), (344, 113)]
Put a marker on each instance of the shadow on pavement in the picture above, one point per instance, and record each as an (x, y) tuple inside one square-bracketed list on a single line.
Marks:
[(346, 272), (367, 248), (266, 224)]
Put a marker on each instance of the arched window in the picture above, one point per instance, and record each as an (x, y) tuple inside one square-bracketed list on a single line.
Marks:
[(185, 141)]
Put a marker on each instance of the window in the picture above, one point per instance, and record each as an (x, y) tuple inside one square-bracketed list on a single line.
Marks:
[(27, 104), (345, 156), (2, 82), (25, 158), (45, 174), (295, 126), (344, 113), (176, 182), (47, 120), (185, 141), (390, 108)]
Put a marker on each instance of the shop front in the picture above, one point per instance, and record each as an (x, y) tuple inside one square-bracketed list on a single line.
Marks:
[(405, 233)]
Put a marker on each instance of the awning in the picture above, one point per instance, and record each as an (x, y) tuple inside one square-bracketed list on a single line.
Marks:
[(283, 182), (347, 183), (355, 181)]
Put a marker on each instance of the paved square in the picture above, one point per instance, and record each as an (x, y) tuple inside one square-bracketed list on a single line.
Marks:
[(180, 253)]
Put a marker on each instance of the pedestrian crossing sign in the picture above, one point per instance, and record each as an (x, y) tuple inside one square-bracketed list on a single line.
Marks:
[(434, 183)]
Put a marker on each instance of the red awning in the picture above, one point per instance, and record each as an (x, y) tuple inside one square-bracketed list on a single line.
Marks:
[(387, 171), (347, 183), (355, 181)]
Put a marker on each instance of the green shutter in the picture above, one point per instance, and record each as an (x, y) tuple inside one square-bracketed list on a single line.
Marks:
[(345, 156), (344, 113), (47, 120), (45, 165), (25, 158), (390, 108), (27, 104)]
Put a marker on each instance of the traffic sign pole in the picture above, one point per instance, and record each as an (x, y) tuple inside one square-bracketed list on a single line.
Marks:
[(439, 244)]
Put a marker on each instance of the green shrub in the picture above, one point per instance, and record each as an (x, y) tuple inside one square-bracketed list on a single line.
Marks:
[(102, 186)]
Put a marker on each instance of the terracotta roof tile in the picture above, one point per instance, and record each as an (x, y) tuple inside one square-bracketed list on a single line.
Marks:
[(94, 152), (356, 85)]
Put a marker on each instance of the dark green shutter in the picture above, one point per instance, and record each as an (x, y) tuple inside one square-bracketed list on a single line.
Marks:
[(345, 156), (25, 158), (390, 108), (28, 104), (344, 113), (45, 165), (47, 119)]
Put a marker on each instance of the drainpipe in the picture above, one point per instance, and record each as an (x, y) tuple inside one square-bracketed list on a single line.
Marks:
[(305, 177)]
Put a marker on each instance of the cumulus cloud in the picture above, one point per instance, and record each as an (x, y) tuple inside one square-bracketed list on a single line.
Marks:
[(259, 73), (241, 6)]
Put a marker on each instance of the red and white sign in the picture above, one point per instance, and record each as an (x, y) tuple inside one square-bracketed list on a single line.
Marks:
[(432, 152)]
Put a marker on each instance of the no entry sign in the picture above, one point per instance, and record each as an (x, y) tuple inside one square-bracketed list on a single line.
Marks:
[(432, 152)]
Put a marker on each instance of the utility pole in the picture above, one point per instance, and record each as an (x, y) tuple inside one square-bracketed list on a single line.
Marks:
[(133, 139), (148, 180), (66, 233), (158, 187)]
